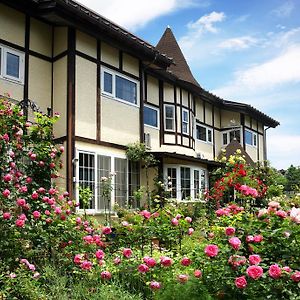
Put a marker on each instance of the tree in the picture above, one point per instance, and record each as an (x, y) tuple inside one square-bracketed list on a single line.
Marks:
[(292, 175)]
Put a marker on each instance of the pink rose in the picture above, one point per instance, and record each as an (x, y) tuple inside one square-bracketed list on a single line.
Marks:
[(106, 230), (257, 238), (262, 212), (166, 261), (143, 268), (57, 210), (235, 243), (275, 271), (186, 261), (78, 258), (35, 195), (197, 273), (249, 238), (7, 177), (287, 269), (31, 267), (6, 193), (100, 254), (36, 214), (189, 219), (21, 202), (241, 282), (274, 204), (127, 252), (154, 285), (146, 214), (78, 220), (6, 216), (230, 231), (281, 213), (178, 216), (88, 239), (86, 265), (211, 250), (254, 259), (149, 261), (222, 212), (190, 231), (296, 276), (236, 261), (105, 275), (20, 223), (182, 278), (254, 272), (117, 260), (174, 222)]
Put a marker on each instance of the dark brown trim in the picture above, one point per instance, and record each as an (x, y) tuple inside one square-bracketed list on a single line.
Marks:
[(257, 145), (52, 72), (60, 140), (100, 143), (40, 56), (254, 130), (250, 122), (183, 106), (214, 138), (98, 109), (142, 81), (86, 56), (121, 60), (242, 118), (180, 99), (60, 55), (190, 119), (71, 108), (26, 63), (170, 144), (146, 87), (175, 113), (161, 109), (12, 45), (152, 104)]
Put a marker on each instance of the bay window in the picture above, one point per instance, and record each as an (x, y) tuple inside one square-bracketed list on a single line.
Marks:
[(203, 134), (185, 121)]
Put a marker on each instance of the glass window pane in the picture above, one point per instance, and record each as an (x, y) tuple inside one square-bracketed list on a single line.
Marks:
[(12, 65), (150, 116), (126, 90), (209, 135), (169, 112), (185, 178), (248, 137), (169, 124), (121, 188), (201, 133), (172, 182), (103, 170), (108, 82), (134, 184), (225, 139)]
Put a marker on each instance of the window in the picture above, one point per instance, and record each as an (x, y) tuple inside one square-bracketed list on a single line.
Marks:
[(230, 135), (120, 87), (203, 134), (185, 121), (250, 138), (11, 64), (169, 117), (186, 182), (92, 167), (151, 116)]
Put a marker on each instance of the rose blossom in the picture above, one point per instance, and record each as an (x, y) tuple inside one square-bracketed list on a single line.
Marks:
[(36, 214), (174, 222), (236, 261), (117, 260), (262, 212), (183, 278), (189, 219), (146, 214), (166, 261), (230, 231), (6, 193), (257, 238), (281, 213), (254, 272), (295, 215), (190, 231), (78, 258), (100, 254), (20, 223), (235, 243), (143, 268), (186, 261), (105, 275), (86, 265), (275, 271), (6, 216), (296, 276), (198, 273), (127, 252), (149, 261), (274, 204), (106, 230), (241, 282), (211, 250), (254, 259), (287, 269), (155, 285)]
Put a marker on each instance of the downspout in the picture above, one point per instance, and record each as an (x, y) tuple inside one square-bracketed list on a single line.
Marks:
[(265, 144)]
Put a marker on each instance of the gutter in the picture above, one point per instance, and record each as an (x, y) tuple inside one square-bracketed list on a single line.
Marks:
[(265, 143)]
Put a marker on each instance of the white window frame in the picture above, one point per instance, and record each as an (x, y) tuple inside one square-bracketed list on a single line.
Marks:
[(157, 116), (95, 210), (3, 71), (207, 129), (253, 139), (178, 180), (228, 135), (113, 94), (165, 117), (183, 121)]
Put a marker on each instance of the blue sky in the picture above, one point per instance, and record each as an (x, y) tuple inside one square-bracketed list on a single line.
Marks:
[(246, 51)]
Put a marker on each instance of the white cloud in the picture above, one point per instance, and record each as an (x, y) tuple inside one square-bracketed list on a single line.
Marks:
[(238, 43), (283, 150), (133, 14), (206, 22), (284, 10)]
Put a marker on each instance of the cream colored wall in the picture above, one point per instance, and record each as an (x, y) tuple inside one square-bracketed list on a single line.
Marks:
[(204, 148), (14, 89), (154, 136), (261, 147), (40, 37), (260, 127), (175, 161), (86, 98), (130, 64), (152, 173), (86, 44), (208, 114), (179, 118), (218, 142), (60, 40), (109, 55), (227, 116), (185, 98), (39, 84), (99, 149), (185, 141), (217, 117), (199, 109), (119, 122), (247, 121), (169, 138), (168, 92), (177, 149), (252, 151), (152, 90), (12, 25), (60, 95)]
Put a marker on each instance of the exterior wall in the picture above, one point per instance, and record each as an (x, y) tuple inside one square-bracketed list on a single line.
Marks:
[(86, 98), (130, 64), (15, 90), (227, 116), (109, 55), (152, 90), (208, 114), (252, 151), (61, 181), (204, 149), (168, 92), (115, 127), (154, 136), (60, 95), (86, 44), (60, 40), (199, 109)]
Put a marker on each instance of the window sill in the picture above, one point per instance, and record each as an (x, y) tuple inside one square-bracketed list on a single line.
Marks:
[(119, 100), (15, 81)]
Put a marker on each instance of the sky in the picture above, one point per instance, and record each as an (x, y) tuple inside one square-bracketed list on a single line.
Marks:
[(245, 51)]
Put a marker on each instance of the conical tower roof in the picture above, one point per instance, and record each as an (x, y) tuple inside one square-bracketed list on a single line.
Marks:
[(168, 45)]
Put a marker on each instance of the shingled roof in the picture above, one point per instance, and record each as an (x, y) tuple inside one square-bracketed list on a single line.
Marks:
[(168, 45)]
